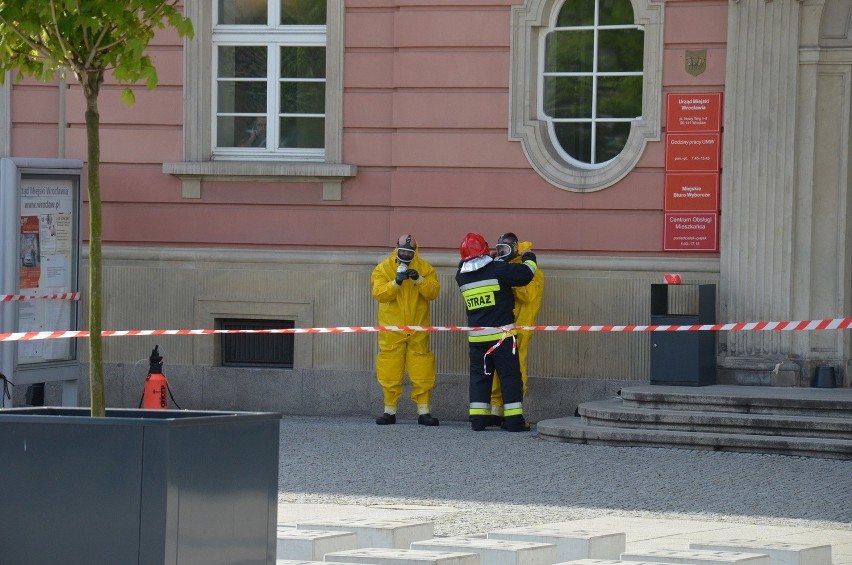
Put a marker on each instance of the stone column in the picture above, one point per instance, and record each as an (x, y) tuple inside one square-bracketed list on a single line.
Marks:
[(822, 283), (758, 189)]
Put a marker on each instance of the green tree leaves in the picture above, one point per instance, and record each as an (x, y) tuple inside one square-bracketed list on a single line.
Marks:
[(87, 39)]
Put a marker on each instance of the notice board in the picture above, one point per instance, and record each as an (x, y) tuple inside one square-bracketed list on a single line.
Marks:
[(691, 232), (40, 254), (693, 166), (692, 192), (689, 113)]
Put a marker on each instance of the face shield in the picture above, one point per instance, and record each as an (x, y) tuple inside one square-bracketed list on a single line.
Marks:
[(405, 255), (504, 251), (506, 248), (405, 247)]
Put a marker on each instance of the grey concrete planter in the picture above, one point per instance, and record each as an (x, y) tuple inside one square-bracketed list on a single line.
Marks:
[(145, 487)]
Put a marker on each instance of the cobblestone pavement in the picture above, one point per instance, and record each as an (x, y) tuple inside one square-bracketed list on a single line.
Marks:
[(473, 482)]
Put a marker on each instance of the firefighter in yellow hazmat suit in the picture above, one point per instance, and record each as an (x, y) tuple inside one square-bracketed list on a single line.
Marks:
[(527, 305), (404, 284)]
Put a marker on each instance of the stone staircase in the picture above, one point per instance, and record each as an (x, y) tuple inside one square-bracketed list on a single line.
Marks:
[(813, 422), (411, 542)]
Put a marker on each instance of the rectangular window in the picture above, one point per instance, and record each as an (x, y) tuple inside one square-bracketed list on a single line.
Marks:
[(302, 104), (269, 92), (271, 350)]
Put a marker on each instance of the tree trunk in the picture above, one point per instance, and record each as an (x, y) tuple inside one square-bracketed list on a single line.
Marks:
[(91, 88)]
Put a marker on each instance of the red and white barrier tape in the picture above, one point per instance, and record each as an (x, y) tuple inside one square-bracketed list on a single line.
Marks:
[(803, 325), (61, 296)]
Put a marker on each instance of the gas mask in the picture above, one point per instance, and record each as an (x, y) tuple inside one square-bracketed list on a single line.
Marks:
[(405, 250), (507, 248)]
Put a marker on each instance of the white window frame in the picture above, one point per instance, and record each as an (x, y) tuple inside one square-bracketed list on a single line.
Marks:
[(200, 165), (527, 123), (272, 38), (594, 74)]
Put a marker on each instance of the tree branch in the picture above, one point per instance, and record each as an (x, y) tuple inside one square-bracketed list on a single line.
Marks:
[(72, 58), (39, 47), (144, 28)]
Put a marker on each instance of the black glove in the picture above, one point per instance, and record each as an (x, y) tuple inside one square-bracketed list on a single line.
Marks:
[(528, 256), (401, 276), (412, 274)]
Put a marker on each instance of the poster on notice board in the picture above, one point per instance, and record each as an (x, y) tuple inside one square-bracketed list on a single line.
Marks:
[(47, 207)]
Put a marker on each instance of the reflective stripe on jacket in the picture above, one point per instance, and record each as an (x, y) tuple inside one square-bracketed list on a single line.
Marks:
[(488, 298)]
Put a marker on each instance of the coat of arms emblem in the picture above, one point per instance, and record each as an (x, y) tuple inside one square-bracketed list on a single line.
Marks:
[(696, 61)]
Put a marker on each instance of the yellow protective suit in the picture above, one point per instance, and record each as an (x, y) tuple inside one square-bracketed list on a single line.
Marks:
[(527, 305), (405, 305)]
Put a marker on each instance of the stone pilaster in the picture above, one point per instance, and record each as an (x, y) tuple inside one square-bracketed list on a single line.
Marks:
[(758, 189), (822, 272)]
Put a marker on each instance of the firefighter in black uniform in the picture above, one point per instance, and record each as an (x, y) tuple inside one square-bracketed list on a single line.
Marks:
[(486, 286)]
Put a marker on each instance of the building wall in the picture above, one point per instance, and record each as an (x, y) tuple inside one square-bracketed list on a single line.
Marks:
[(425, 113), (425, 117), (188, 288)]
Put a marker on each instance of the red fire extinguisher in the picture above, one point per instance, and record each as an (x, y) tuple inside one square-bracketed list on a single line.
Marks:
[(156, 385)]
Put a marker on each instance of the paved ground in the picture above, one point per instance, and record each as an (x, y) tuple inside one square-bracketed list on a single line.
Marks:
[(473, 482)]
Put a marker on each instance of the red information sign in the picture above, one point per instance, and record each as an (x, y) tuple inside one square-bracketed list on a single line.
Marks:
[(689, 112), (692, 191), (691, 232), (692, 151)]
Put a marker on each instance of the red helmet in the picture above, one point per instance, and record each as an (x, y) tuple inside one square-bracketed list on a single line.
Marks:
[(473, 245)]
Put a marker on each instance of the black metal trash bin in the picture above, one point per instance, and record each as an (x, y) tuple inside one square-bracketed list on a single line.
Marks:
[(685, 358)]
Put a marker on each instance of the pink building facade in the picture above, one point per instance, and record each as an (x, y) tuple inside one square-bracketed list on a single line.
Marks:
[(437, 118)]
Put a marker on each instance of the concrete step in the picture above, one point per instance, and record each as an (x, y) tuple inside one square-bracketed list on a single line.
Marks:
[(382, 556), (609, 562), (780, 552), (312, 545), (807, 422), (571, 543), (696, 557), (819, 402), (648, 542), (300, 562), (573, 430), (494, 551), (393, 534), (615, 413)]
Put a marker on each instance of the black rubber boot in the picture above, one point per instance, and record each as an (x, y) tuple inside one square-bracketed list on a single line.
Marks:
[(515, 424), (494, 420), (386, 419), (427, 420), (479, 423)]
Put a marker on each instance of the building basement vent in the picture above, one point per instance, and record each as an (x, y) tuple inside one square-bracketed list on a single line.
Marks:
[(257, 350)]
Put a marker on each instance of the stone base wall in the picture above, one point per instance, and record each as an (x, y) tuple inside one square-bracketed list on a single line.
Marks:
[(315, 392)]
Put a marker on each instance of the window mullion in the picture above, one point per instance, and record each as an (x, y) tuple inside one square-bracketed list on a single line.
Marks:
[(273, 89), (594, 122), (214, 95), (274, 14)]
